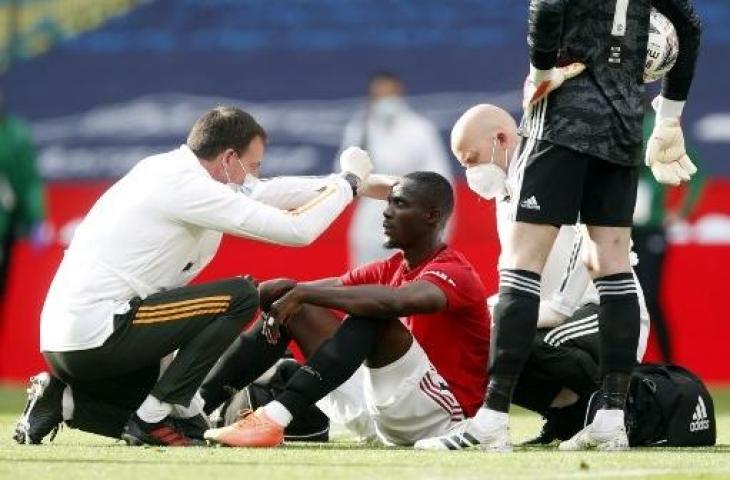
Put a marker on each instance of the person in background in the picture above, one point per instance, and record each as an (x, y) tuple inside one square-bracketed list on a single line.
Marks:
[(649, 233), (22, 201), (399, 141)]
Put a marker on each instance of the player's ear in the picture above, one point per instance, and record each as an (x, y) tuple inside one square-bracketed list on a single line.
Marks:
[(434, 216)]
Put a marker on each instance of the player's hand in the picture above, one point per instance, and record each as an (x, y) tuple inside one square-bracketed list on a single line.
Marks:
[(666, 154), (539, 83), (279, 314), (377, 186), (356, 161), (272, 290)]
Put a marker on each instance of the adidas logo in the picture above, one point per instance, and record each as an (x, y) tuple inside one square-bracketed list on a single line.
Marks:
[(530, 204), (699, 418)]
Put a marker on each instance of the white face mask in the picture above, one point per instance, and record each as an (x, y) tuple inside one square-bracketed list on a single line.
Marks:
[(387, 108), (487, 179), (249, 182)]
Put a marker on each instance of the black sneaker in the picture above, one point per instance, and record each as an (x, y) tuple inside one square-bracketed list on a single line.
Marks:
[(546, 436), (193, 427), (43, 412), (165, 433)]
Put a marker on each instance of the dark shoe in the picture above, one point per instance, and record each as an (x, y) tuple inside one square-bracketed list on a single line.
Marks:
[(546, 436), (193, 427), (165, 433), (43, 412)]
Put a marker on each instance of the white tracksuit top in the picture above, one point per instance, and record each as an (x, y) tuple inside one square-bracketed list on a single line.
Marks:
[(158, 226)]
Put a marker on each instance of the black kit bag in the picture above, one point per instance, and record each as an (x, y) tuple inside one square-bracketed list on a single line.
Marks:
[(312, 425), (667, 405)]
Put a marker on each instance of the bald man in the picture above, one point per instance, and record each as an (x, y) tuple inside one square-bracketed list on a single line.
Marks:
[(562, 369)]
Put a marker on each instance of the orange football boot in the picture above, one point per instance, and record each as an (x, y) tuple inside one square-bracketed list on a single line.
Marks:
[(252, 429)]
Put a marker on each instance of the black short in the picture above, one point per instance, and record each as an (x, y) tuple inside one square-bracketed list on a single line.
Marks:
[(554, 185)]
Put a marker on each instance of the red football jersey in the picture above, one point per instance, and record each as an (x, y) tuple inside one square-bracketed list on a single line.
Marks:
[(456, 339)]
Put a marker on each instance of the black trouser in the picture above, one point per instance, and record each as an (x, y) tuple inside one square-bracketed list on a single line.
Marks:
[(650, 244), (110, 382), (561, 357)]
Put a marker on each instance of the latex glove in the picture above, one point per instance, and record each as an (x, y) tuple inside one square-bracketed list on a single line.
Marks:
[(539, 83), (377, 186), (356, 161)]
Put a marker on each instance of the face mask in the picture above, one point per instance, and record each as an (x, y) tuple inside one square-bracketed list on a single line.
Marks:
[(487, 179), (249, 182), (387, 108)]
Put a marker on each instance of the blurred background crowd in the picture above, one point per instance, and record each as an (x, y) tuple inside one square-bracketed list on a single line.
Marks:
[(89, 87)]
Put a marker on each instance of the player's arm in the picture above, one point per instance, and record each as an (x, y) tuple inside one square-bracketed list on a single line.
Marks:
[(544, 32), (543, 38), (376, 301), (665, 150), (677, 83)]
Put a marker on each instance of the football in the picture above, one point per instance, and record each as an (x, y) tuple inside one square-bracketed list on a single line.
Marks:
[(662, 49)]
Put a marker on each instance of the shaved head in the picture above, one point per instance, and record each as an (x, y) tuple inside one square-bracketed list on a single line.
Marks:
[(475, 132)]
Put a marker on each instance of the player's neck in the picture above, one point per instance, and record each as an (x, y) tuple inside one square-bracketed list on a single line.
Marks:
[(418, 254)]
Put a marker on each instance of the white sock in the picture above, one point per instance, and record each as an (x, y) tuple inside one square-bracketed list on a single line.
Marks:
[(67, 404), (195, 408), (153, 410), (488, 419), (608, 419), (278, 413)]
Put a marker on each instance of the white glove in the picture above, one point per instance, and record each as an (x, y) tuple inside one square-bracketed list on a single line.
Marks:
[(377, 186), (356, 161), (665, 151), (539, 83)]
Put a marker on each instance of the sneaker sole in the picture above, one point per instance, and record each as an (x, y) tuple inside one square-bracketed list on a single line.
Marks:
[(36, 388)]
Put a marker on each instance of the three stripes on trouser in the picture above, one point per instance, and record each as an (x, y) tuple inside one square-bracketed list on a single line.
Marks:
[(182, 309)]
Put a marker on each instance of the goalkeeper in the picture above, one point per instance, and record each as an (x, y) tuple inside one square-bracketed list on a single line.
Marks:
[(578, 158)]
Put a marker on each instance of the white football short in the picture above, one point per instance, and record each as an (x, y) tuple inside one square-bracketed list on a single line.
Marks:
[(397, 404)]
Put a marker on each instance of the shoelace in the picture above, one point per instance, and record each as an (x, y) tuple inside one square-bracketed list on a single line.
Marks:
[(247, 416)]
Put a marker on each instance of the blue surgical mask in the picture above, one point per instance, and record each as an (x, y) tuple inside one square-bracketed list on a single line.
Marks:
[(387, 108)]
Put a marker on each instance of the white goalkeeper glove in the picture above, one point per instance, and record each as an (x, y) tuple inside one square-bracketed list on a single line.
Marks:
[(665, 151), (539, 83), (356, 161)]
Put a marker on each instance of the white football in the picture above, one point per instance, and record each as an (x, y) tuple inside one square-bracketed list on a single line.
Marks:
[(662, 49)]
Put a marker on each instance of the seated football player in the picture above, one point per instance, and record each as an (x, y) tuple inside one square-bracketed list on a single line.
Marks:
[(562, 370), (409, 359)]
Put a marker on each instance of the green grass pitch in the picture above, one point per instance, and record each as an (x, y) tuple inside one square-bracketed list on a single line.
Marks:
[(78, 456)]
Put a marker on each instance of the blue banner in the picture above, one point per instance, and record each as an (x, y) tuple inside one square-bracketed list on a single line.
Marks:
[(100, 100)]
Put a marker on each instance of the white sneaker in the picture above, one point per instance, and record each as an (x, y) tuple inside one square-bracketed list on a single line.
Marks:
[(468, 434), (605, 434)]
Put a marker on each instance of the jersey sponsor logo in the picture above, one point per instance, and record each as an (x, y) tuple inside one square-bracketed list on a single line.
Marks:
[(530, 204), (699, 418), (442, 276)]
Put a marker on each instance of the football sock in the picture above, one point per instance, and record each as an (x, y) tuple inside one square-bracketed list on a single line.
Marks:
[(515, 324), (491, 418), (67, 404), (195, 408), (331, 365), (278, 413), (153, 410), (618, 323), (248, 357)]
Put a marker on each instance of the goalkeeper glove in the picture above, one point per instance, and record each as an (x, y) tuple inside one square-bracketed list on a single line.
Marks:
[(665, 151), (539, 83)]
